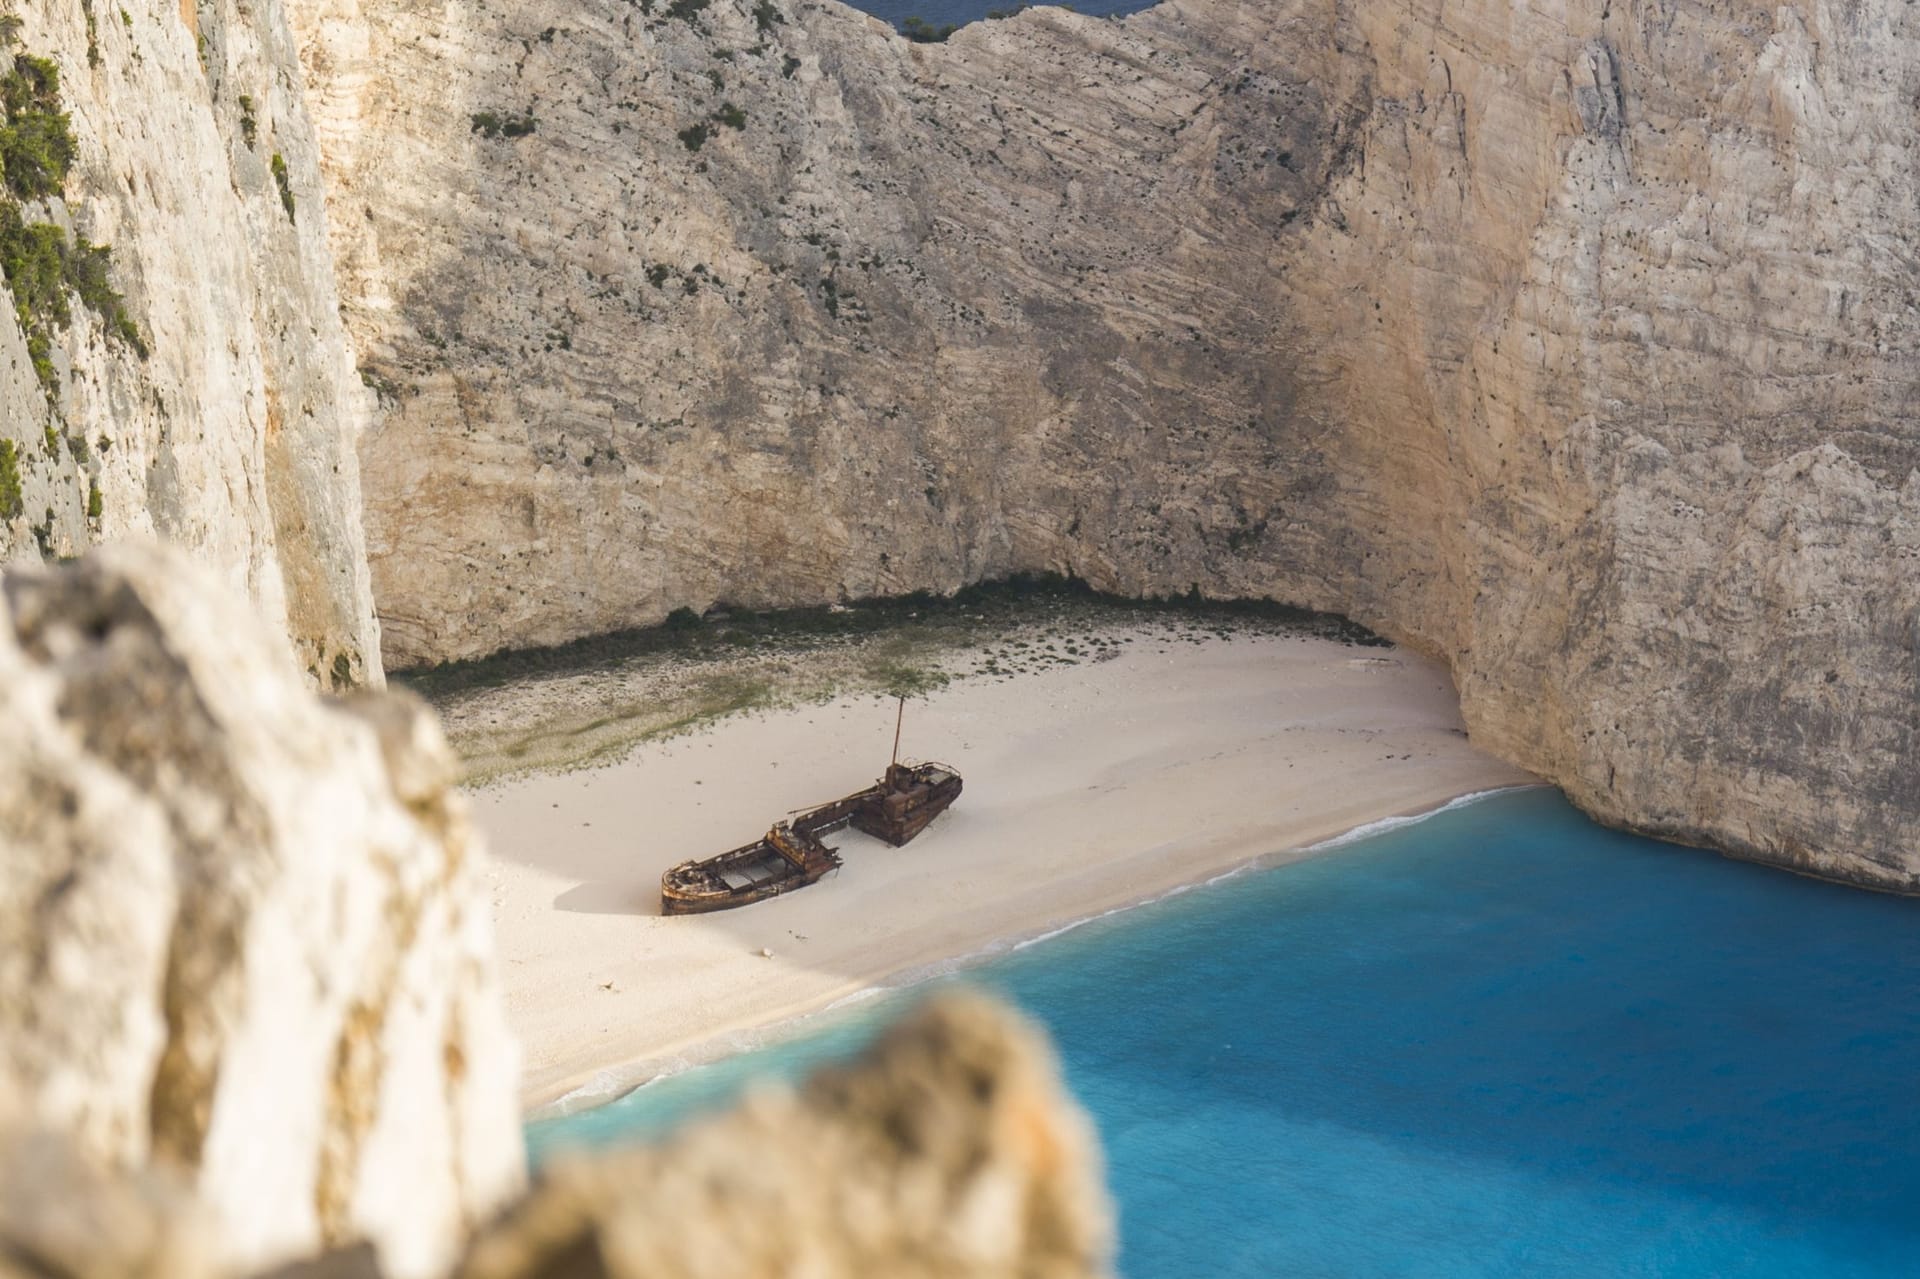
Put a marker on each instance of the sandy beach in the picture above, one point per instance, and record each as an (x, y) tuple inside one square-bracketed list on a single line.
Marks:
[(1087, 788)]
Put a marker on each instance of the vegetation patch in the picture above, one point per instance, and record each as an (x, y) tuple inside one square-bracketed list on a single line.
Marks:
[(385, 389), (249, 124), (593, 700), (10, 501), (281, 180), (36, 138), (920, 31), (40, 269), (694, 136), (492, 124), (958, 618)]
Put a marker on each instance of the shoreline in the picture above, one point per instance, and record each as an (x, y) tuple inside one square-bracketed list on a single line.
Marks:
[(1162, 763), (608, 1084)]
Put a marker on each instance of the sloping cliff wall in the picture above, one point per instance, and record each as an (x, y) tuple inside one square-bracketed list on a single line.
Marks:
[(224, 414), (1574, 342)]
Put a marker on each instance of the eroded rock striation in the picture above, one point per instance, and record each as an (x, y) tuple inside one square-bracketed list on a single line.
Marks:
[(211, 400), (242, 933), (1575, 343)]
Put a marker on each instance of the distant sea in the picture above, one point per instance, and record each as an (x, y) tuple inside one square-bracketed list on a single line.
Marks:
[(961, 12), (1500, 1041)]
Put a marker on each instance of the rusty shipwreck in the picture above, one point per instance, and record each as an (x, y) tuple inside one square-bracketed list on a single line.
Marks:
[(794, 852)]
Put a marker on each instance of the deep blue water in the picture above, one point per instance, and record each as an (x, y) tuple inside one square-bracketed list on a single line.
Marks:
[(1502, 1041), (961, 12)]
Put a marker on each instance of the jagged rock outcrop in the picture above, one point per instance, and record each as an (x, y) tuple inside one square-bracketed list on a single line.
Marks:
[(226, 416), (1576, 344), (242, 933), (949, 1152)]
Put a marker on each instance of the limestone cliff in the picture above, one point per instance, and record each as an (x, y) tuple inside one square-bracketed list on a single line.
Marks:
[(1574, 342), (242, 932), (219, 407)]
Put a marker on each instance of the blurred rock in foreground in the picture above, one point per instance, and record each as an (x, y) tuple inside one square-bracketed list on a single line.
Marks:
[(242, 937), (950, 1152), (249, 1017)]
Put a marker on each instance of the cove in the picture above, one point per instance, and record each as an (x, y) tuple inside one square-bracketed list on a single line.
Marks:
[(1499, 1041)]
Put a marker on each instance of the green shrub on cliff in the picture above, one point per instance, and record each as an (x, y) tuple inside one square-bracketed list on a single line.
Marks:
[(36, 138), (10, 503), (86, 266), (491, 124), (920, 31), (30, 261), (39, 265), (281, 180), (30, 257)]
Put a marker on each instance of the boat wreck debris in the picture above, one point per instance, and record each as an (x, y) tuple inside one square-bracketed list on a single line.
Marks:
[(794, 852)]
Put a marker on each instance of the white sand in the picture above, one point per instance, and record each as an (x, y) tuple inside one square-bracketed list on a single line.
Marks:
[(1087, 788)]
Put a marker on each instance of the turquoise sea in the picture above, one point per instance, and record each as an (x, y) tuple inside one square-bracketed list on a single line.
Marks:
[(1500, 1041)]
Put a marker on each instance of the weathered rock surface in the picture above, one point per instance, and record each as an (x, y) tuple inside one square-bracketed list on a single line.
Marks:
[(235, 436), (242, 933), (949, 1152), (1574, 342), (65, 1214)]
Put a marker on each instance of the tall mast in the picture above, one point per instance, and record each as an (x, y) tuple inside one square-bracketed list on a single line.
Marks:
[(897, 720)]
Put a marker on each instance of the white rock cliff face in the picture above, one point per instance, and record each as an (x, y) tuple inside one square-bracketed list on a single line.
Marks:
[(235, 436), (242, 933), (1574, 342)]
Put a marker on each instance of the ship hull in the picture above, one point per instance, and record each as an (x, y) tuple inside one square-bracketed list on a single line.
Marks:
[(793, 854), (898, 812)]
